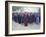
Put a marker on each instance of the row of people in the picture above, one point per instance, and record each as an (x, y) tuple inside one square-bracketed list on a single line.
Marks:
[(26, 18)]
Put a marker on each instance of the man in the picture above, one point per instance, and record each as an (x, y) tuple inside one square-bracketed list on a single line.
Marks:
[(14, 17), (22, 18), (19, 18), (37, 18), (32, 18)]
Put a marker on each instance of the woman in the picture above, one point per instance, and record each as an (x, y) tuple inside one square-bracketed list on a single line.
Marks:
[(26, 20)]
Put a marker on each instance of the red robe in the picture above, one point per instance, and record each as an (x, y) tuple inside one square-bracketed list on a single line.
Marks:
[(26, 21)]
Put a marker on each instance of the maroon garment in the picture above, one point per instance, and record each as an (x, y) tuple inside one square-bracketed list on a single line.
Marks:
[(26, 20)]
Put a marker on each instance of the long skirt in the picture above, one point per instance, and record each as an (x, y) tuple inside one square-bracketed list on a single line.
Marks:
[(26, 22)]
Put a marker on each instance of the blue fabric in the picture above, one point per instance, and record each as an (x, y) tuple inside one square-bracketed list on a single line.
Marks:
[(19, 19)]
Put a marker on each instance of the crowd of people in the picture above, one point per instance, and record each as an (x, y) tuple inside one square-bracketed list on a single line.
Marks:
[(26, 18)]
